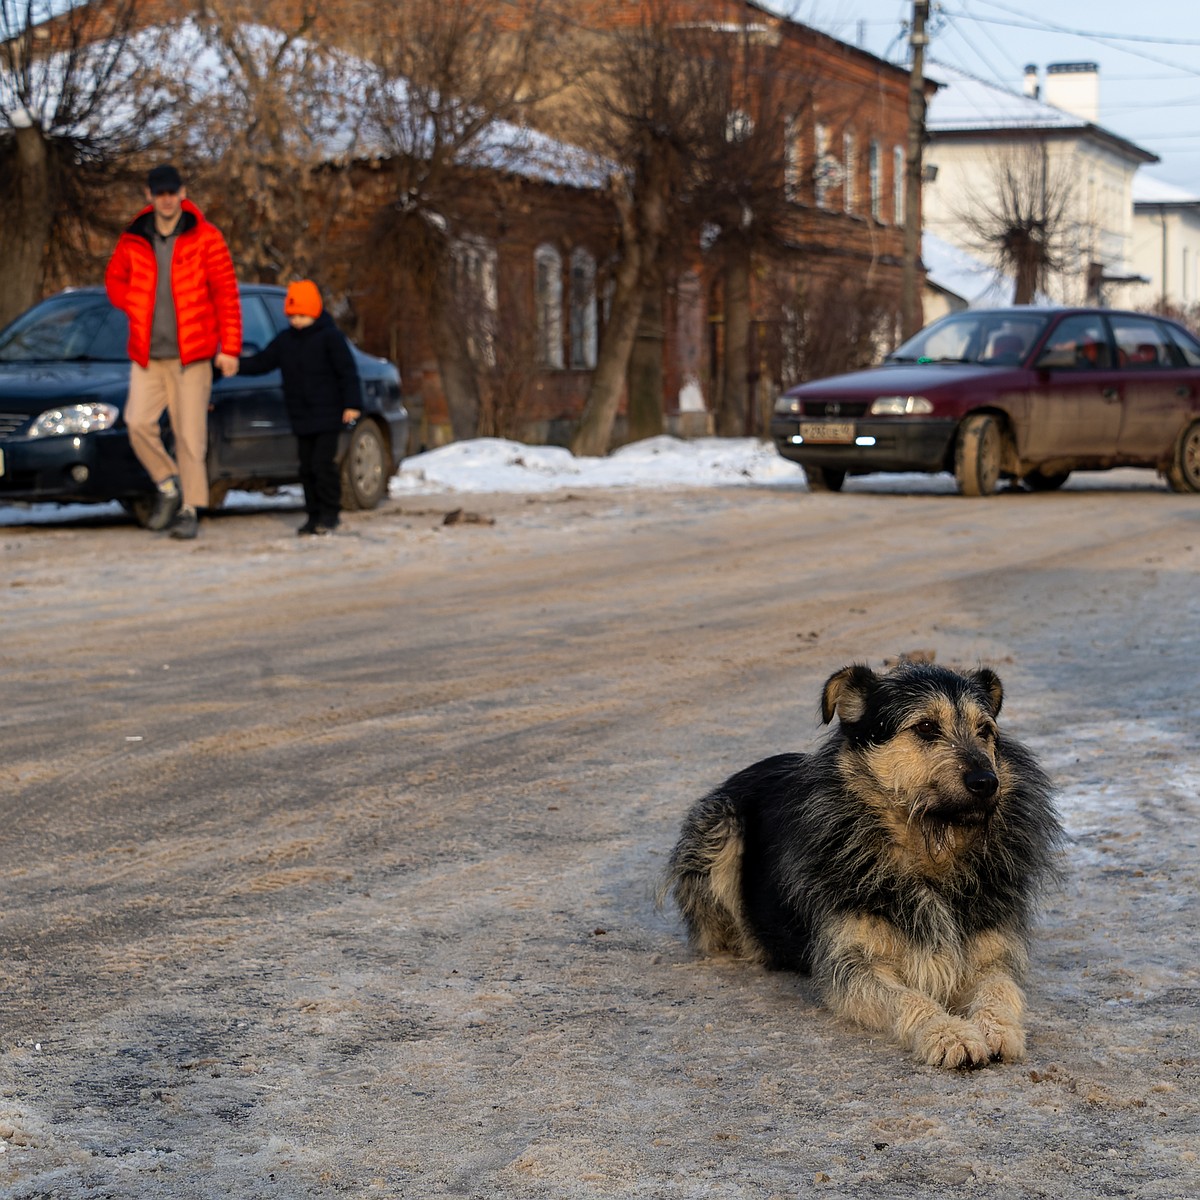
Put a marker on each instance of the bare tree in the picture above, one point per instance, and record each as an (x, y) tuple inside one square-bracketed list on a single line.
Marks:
[(755, 103), (452, 80), (78, 106), (643, 106), (269, 107), (1019, 215)]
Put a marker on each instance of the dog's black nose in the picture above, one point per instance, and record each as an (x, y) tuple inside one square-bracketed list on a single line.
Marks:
[(981, 782)]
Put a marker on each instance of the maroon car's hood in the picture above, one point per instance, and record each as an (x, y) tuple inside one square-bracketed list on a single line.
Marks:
[(907, 379)]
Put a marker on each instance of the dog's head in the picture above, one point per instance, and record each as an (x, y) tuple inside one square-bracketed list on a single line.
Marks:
[(920, 741)]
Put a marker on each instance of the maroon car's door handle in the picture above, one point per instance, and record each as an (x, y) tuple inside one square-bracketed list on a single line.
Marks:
[(1111, 393), (1183, 390)]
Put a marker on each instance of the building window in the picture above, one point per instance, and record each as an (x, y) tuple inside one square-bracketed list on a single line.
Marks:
[(583, 310), (791, 161), (548, 300), (874, 171), (898, 173), (477, 296), (822, 166), (848, 167)]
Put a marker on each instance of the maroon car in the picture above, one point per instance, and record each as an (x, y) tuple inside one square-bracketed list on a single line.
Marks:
[(1028, 394)]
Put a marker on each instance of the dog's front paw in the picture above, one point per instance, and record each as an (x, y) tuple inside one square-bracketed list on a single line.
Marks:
[(952, 1042), (1005, 1038)]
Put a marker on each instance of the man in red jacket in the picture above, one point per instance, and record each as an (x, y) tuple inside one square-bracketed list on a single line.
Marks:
[(172, 275)]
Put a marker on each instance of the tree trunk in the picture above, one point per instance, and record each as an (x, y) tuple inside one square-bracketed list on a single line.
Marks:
[(731, 415), (641, 231), (1027, 273), (25, 229), (460, 384), (646, 370)]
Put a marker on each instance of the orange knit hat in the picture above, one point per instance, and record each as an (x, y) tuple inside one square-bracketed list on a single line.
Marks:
[(302, 299)]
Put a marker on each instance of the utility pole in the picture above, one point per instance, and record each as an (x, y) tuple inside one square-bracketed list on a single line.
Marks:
[(910, 308)]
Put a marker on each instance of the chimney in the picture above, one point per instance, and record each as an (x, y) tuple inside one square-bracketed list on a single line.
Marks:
[(1075, 88), (1031, 81)]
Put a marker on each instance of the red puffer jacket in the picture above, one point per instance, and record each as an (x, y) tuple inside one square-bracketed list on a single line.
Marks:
[(207, 308)]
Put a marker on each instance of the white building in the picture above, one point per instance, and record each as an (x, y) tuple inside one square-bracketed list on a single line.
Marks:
[(987, 143), (1166, 245)]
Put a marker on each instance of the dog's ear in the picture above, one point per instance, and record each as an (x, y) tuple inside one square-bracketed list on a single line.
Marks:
[(993, 689), (846, 693)]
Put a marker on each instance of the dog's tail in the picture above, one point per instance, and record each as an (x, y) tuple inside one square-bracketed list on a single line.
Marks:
[(704, 876)]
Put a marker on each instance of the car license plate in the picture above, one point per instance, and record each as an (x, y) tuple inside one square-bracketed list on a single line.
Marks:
[(832, 431)]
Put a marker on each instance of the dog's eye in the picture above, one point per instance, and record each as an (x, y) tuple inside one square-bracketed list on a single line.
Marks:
[(927, 730), (988, 733)]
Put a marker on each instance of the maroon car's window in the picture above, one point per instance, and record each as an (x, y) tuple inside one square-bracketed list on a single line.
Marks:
[(1142, 344), (1186, 345), (1078, 343)]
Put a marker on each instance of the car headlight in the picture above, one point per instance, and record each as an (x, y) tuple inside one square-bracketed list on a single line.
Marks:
[(900, 406), (74, 419), (787, 405)]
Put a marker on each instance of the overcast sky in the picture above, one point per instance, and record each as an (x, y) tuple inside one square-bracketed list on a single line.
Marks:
[(1148, 53)]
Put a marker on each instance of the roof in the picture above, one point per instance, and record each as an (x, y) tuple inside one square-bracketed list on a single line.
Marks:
[(964, 104), (954, 270), (1157, 192)]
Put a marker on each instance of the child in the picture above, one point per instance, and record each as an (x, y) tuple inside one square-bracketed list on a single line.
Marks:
[(321, 391)]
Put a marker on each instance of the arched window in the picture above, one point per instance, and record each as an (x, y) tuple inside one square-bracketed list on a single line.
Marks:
[(478, 296), (823, 165), (548, 299), (849, 166), (583, 310), (875, 176)]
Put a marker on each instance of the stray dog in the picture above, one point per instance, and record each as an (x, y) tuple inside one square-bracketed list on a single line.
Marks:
[(899, 863)]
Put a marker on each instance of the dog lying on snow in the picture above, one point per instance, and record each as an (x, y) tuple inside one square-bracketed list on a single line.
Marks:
[(899, 863)]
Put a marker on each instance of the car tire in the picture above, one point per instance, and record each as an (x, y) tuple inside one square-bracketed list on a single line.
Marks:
[(824, 479), (1035, 481), (1183, 475), (365, 467), (977, 455)]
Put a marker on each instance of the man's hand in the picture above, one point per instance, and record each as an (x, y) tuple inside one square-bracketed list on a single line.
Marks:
[(227, 364), (350, 415)]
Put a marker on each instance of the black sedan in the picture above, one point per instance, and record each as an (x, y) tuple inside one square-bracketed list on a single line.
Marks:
[(64, 374)]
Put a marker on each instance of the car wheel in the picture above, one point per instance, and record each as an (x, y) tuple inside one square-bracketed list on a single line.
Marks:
[(1035, 481), (364, 468), (139, 508), (824, 479), (1183, 475), (977, 455)]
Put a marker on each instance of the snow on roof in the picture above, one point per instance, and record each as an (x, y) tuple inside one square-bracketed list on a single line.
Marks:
[(954, 270), (963, 103), (1148, 190)]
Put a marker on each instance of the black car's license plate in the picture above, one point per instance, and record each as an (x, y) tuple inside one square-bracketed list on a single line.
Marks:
[(828, 431)]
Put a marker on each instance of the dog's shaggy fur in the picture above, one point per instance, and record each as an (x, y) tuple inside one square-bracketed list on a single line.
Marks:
[(899, 863)]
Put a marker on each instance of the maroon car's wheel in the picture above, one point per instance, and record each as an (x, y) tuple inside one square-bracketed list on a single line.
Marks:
[(824, 479), (1036, 481), (1183, 475), (977, 455)]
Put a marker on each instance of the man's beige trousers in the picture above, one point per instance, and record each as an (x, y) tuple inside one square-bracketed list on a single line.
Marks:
[(183, 392)]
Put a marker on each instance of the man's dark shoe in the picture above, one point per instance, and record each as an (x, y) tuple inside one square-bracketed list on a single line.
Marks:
[(309, 527), (186, 525), (321, 529), (166, 504)]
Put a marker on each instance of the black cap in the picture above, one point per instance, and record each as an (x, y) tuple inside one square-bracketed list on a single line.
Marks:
[(164, 179)]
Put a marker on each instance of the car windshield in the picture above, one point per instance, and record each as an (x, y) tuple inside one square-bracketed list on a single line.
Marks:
[(998, 339), (82, 327)]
